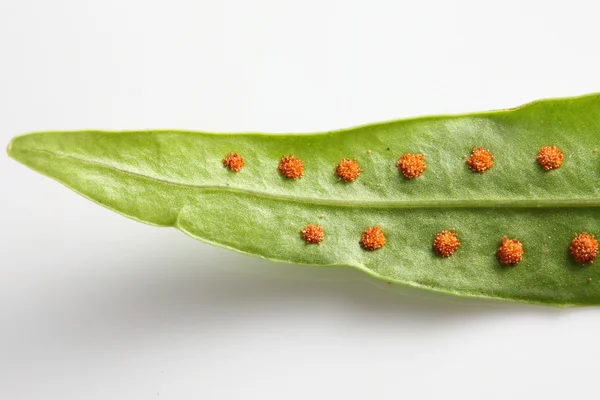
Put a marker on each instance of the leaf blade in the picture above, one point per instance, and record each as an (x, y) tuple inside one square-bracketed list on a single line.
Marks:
[(171, 178)]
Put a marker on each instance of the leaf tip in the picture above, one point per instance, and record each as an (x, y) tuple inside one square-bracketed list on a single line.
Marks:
[(12, 147), (19, 146)]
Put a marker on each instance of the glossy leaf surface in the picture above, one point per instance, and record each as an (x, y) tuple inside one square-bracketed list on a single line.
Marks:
[(174, 178)]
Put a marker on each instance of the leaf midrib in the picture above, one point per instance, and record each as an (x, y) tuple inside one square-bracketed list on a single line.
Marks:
[(403, 204)]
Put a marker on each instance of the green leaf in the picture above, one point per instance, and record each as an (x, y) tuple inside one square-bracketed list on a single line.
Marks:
[(174, 178)]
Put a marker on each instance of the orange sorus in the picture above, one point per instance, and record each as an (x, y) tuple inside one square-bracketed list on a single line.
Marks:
[(234, 162), (446, 243), (348, 170), (510, 251), (584, 248), (313, 234), (550, 157), (291, 167), (373, 238), (411, 165), (480, 160)]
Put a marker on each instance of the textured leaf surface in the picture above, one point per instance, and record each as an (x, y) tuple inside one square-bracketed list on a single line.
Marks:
[(174, 178)]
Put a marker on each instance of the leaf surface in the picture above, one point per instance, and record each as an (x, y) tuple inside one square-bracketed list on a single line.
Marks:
[(175, 178)]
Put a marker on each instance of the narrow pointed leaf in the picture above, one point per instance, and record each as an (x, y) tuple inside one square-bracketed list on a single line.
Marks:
[(174, 178)]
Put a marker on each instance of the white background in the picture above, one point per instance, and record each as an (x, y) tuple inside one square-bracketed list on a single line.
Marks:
[(96, 306)]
